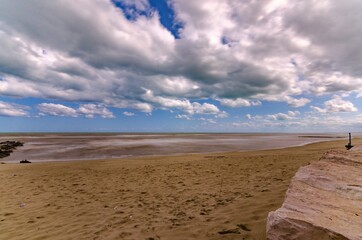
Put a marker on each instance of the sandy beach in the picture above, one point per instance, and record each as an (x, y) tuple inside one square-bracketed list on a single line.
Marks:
[(194, 196)]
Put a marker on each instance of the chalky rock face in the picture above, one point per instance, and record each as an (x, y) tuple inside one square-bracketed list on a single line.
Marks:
[(324, 201)]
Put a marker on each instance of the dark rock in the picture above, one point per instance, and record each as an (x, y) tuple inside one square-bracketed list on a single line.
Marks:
[(25, 161), (7, 147)]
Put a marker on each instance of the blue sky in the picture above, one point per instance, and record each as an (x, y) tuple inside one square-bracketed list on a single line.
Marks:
[(180, 66)]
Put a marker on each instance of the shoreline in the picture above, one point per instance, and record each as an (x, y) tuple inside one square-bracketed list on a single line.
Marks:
[(169, 155), (119, 148)]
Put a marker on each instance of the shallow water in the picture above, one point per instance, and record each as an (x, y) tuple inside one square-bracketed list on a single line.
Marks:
[(65, 147)]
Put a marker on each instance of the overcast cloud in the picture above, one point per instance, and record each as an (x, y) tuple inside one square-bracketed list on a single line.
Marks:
[(238, 53)]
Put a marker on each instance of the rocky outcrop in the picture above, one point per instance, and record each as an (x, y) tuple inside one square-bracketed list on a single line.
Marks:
[(25, 161), (324, 201), (7, 147)]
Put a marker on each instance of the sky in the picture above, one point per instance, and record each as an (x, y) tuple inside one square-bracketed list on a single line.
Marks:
[(180, 66)]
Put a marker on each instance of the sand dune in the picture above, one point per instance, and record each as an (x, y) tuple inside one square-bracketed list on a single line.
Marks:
[(201, 196)]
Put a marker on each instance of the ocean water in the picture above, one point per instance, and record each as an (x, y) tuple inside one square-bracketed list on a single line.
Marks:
[(74, 146)]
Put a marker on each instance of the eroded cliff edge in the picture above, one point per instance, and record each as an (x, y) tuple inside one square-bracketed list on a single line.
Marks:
[(324, 201)]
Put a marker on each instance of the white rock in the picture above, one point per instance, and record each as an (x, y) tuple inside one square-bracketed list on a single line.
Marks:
[(324, 201)]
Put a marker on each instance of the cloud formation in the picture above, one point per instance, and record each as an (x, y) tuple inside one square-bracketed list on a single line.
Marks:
[(90, 110), (12, 110), (290, 115), (297, 122), (87, 110), (239, 102), (128, 114), (283, 116), (183, 104), (57, 110), (336, 104), (240, 53)]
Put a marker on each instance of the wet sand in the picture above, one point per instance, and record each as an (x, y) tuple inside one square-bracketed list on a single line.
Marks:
[(65, 147), (198, 196)]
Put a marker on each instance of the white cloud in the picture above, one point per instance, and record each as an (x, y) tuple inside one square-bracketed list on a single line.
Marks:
[(295, 121), (183, 116), (12, 110), (280, 117), (91, 110), (182, 104), (293, 113), (290, 115), (57, 110), (208, 120), (63, 59), (128, 114), (336, 104), (143, 107), (204, 108), (294, 102), (88, 110), (222, 114), (284, 116), (318, 109), (239, 102), (178, 85)]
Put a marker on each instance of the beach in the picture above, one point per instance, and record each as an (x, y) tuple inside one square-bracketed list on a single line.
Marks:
[(188, 196), (46, 147)]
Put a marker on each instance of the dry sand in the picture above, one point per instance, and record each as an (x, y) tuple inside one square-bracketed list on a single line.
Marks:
[(201, 196)]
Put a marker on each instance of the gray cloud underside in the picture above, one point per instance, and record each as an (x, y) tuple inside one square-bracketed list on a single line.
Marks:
[(228, 50)]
